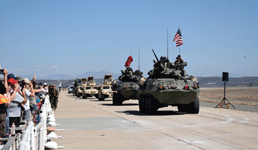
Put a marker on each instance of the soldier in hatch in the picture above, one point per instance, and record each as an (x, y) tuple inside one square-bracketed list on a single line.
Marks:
[(179, 60)]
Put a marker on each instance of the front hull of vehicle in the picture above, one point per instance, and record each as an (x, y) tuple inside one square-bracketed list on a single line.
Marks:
[(171, 97)]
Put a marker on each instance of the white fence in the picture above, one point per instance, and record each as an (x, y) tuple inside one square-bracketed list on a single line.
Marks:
[(35, 137)]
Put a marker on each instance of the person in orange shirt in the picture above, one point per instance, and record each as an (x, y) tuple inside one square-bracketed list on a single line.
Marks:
[(4, 102)]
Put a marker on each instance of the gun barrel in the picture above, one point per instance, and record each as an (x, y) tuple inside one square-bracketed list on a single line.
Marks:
[(155, 55)]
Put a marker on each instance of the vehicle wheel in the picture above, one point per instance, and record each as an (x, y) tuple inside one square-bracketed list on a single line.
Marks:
[(181, 108), (84, 96), (78, 95), (193, 107), (142, 104), (101, 98), (151, 104), (116, 100)]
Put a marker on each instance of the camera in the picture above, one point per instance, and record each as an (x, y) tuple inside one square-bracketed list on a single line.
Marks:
[(22, 85), (1, 71)]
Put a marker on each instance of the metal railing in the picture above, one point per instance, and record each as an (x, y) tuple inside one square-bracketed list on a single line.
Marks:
[(35, 136)]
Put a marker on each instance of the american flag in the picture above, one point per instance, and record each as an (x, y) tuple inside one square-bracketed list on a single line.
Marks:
[(178, 38)]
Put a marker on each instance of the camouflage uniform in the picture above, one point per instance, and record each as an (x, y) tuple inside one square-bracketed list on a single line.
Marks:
[(179, 60), (53, 96)]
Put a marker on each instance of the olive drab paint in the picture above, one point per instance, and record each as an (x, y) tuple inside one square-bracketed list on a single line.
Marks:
[(168, 84)]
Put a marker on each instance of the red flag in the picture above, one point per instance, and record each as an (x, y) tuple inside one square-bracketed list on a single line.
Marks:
[(128, 62)]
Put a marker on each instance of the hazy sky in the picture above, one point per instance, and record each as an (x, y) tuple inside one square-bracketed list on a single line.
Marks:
[(73, 37)]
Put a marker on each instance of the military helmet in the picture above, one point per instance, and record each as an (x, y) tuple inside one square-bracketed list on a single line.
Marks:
[(162, 58)]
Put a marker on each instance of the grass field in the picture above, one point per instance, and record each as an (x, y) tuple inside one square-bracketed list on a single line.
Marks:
[(240, 96)]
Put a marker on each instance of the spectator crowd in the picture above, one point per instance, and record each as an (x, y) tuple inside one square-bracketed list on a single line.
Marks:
[(21, 100)]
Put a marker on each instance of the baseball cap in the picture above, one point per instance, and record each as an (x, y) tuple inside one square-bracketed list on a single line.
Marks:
[(18, 78), (10, 76), (26, 80), (11, 81), (45, 83)]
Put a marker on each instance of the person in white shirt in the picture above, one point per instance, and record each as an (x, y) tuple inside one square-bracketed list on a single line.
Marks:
[(14, 108), (28, 86)]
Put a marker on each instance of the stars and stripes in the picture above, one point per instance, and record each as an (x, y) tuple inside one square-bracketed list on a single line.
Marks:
[(178, 38)]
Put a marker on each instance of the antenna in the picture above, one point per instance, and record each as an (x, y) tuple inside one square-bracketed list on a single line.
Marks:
[(139, 58), (167, 42)]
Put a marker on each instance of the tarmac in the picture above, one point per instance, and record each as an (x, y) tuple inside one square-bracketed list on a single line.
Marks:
[(92, 124)]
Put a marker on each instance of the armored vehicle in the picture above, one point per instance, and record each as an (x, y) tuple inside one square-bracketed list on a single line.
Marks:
[(168, 84), (127, 86), (90, 89), (105, 90), (80, 87)]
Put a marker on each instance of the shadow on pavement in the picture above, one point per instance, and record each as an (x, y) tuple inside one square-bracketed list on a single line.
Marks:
[(119, 105), (100, 101), (158, 113)]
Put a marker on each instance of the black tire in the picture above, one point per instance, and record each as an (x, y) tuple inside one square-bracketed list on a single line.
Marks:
[(151, 105), (181, 108), (194, 107), (84, 97), (142, 104), (78, 95), (102, 97), (116, 99)]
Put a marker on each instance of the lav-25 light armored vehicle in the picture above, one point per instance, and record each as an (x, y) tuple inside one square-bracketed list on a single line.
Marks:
[(90, 89), (105, 90), (128, 86), (168, 84)]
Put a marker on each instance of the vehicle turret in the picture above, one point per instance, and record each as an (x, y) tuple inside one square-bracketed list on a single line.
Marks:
[(91, 81), (164, 69), (107, 79)]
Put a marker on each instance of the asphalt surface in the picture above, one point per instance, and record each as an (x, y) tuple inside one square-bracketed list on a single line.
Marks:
[(92, 124)]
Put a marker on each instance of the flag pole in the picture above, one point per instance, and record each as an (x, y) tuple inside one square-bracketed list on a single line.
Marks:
[(167, 42), (130, 51), (179, 45), (139, 58)]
